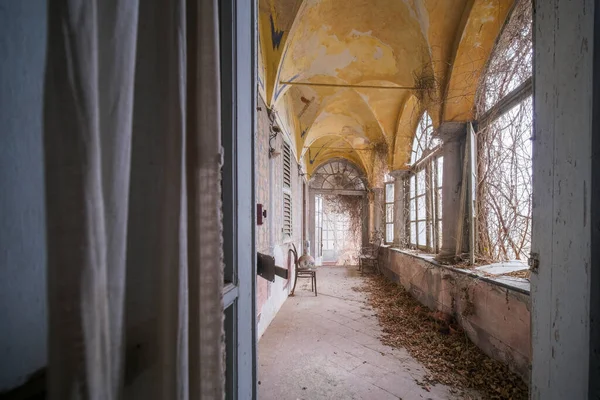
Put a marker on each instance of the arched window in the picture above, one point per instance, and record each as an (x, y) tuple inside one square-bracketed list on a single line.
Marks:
[(389, 208), (504, 108), (425, 189), (338, 175), (424, 139)]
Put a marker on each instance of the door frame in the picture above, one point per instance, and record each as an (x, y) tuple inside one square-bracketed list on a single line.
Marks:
[(238, 104)]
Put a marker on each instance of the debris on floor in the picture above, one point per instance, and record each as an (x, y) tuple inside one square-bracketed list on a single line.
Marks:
[(439, 344), (520, 274)]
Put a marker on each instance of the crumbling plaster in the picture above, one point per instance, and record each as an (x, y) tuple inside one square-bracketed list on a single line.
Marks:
[(436, 47)]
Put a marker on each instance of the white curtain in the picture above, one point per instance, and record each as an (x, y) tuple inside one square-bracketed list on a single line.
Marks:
[(132, 153)]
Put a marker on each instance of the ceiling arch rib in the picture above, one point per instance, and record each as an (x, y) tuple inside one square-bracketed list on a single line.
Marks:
[(335, 144), (376, 109), (379, 43), (345, 112), (483, 24), (275, 23), (405, 131), (361, 41), (436, 47)]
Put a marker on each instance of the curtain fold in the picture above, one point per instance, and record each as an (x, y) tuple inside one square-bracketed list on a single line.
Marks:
[(132, 155)]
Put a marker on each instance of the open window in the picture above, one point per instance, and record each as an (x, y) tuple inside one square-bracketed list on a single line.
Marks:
[(504, 109)]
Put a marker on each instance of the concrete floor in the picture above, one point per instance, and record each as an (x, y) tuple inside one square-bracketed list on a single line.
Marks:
[(328, 347)]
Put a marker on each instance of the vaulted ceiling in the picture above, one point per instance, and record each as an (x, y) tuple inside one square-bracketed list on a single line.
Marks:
[(351, 78)]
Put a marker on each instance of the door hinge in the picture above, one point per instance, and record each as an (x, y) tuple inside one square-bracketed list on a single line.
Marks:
[(534, 262)]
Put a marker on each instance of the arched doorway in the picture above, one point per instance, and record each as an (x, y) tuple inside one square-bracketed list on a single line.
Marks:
[(339, 203)]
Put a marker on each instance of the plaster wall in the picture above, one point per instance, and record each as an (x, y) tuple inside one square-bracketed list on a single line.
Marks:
[(23, 310), (270, 296), (496, 318)]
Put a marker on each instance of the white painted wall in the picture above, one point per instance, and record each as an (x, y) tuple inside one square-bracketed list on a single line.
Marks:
[(279, 292), (22, 229), (562, 154)]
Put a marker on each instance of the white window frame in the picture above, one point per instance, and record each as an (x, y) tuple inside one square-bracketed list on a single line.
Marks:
[(425, 189), (389, 212)]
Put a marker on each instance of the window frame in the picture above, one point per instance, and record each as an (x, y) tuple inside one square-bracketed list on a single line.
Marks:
[(424, 190), (515, 96), (389, 210), (287, 225)]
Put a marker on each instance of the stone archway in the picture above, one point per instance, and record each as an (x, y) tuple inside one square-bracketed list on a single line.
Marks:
[(339, 212)]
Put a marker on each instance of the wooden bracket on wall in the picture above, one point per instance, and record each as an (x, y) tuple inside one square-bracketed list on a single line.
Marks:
[(266, 268)]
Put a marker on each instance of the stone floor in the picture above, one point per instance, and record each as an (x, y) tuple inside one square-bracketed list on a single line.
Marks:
[(328, 347)]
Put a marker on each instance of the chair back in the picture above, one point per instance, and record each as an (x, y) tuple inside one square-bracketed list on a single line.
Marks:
[(295, 253)]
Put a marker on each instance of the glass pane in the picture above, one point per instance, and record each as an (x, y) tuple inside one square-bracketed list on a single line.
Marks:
[(389, 193), (422, 233), (413, 188), (413, 210), (389, 213), (389, 233), (439, 234), (413, 233), (421, 210), (439, 203), (440, 171), (421, 182)]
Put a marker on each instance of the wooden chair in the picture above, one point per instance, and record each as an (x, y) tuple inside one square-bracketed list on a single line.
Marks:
[(369, 257), (303, 273)]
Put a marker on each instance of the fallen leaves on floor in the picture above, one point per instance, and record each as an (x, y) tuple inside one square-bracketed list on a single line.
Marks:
[(520, 274), (443, 348)]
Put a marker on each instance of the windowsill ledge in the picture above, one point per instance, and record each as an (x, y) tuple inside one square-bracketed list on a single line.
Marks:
[(491, 273)]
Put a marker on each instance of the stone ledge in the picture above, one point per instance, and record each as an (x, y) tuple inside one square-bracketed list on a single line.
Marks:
[(493, 311), (518, 284)]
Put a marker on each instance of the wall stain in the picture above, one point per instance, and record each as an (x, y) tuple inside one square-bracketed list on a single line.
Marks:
[(276, 35)]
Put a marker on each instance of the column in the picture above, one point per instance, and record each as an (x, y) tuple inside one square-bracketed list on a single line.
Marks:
[(311, 222), (565, 290), (366, 220), (453, 135), (400, 209), (378, 214)]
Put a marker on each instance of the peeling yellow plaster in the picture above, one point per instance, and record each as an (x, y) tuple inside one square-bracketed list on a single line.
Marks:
[(476, 43), (275, 20), (440, 43), (405, 132)]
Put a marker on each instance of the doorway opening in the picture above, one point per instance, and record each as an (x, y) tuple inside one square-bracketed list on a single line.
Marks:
[(338, 228)]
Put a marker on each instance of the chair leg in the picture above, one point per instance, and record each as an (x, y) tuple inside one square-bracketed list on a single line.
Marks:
[(315, 278), (312, 284), (295, 281)]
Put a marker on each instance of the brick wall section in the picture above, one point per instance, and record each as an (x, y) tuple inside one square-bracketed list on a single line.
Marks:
[(496, 318), (269, 236)]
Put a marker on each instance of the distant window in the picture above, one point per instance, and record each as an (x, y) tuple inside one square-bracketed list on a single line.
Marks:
[(287, 192), (425, 189), (389, 212), (424, 141)]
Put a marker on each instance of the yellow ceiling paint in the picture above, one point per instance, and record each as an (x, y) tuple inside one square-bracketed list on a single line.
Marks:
[(436, 47)]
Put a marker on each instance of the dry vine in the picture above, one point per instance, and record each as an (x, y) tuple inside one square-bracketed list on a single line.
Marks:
[(346, 208), (504, 148)]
